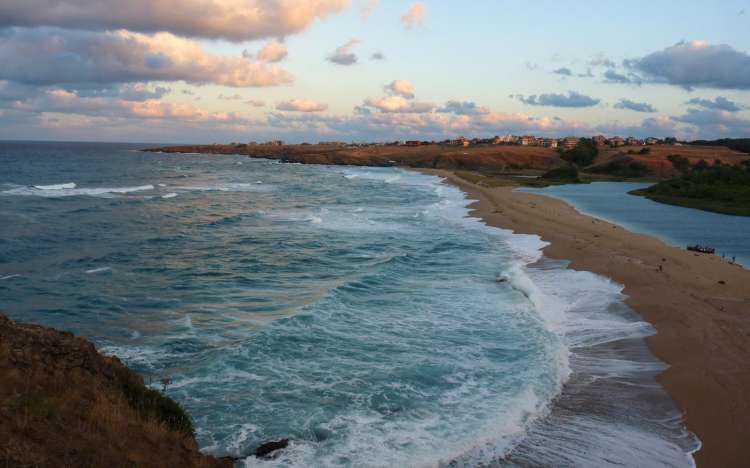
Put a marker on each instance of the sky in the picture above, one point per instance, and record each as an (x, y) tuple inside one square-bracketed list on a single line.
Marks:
[(217, 71)]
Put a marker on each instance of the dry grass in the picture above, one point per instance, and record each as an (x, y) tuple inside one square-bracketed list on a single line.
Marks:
[(62, 404)]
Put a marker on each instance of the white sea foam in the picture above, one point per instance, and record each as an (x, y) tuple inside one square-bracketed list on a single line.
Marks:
[(69, 185), (98, 270), (9, 277), (72, 190), (169, 195)]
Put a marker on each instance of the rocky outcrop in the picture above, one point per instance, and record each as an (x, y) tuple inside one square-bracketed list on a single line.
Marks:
[(63, 404)]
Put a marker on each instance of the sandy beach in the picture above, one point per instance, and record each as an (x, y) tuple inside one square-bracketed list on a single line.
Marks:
[(697, 303)]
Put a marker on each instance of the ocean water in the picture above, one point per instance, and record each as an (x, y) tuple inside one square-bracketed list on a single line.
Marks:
[(356, 311), (676, 225)]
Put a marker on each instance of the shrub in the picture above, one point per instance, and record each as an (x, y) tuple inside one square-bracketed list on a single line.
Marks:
[(150, 403)]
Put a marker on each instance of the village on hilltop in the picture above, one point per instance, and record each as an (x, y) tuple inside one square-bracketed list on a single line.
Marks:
[(565, 144)]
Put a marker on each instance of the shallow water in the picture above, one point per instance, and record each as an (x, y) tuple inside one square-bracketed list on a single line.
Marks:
[(354, 310), (676, 225)]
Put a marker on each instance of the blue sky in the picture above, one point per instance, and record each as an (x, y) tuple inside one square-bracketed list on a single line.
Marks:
[(517, 67)]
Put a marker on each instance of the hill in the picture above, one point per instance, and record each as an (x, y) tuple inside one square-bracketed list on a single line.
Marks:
[(62, 404), (720, 188), (489, 158)]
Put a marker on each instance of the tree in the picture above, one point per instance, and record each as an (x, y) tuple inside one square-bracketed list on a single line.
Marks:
[(584, 153), (680, 163)]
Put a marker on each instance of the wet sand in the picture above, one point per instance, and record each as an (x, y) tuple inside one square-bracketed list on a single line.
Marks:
[(699, 305)]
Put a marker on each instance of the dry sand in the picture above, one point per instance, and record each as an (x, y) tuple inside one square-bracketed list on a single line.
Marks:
[(699, 305)]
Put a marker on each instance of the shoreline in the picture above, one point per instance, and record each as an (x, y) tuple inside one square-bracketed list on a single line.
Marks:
[(699, 321)]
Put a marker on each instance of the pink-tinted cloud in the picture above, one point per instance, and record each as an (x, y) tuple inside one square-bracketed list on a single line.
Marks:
[(49, 56), (301, 105), (398, 104), (235, 20), (415, 15), (400, 88), (272, 52)]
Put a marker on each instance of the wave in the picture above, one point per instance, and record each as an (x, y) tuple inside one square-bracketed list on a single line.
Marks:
[(72, 190), (70, 185), (98, 270)]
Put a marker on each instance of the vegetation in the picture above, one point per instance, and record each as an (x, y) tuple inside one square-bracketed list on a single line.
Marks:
[(720, 188), (150, 403), (624, 169), (567, 174), (584, 153), (737, 144)]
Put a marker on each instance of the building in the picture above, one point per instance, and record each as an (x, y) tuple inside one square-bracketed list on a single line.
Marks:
[(652, 141), (568, 143), (528, 140), (275, 143), (630, 141), (617, 141), (548, 142), (600, 140)]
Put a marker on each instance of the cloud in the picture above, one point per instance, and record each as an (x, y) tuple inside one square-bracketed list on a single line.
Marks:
[(58, 100), (127, 92), (232, 97), (377, 56), (564, 71), (635, 106), (272, 52), (720, 103), (572, 99), (234, 20), (400, 88), (713, 123), (463, 108), (415, 15), (398, 104), (696, 64), (612, 76), (301, 105), (255, 103), (368, 8), (601, 61), (51, 56), (342, 55)]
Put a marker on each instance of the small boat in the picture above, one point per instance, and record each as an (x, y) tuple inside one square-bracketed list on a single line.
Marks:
[(701, 249)]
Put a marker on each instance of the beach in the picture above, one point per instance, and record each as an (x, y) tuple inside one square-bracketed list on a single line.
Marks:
[(697, 303)]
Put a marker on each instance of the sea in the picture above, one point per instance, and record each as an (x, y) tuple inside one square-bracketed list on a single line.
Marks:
[(675, 225), (359, 312)]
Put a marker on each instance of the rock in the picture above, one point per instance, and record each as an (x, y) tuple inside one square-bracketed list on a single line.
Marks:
[(267, 449)]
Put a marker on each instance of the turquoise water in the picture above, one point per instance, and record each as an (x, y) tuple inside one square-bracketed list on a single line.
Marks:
[(354, 310), (676, 225)]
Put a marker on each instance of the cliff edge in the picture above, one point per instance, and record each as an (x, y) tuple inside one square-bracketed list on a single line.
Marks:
[(62, 404)]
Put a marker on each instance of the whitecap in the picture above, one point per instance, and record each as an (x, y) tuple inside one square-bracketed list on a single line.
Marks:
[(98, 270), (169, 195), (69, 185)]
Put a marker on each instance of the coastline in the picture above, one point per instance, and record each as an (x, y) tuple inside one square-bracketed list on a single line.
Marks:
[(699, 321)]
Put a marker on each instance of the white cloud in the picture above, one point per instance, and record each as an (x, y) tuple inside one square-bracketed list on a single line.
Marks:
[(398, 104), (342, 54), (272, 52), (301, 105), (50, 56), (415, 15), (235, 20), (400, 88)]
